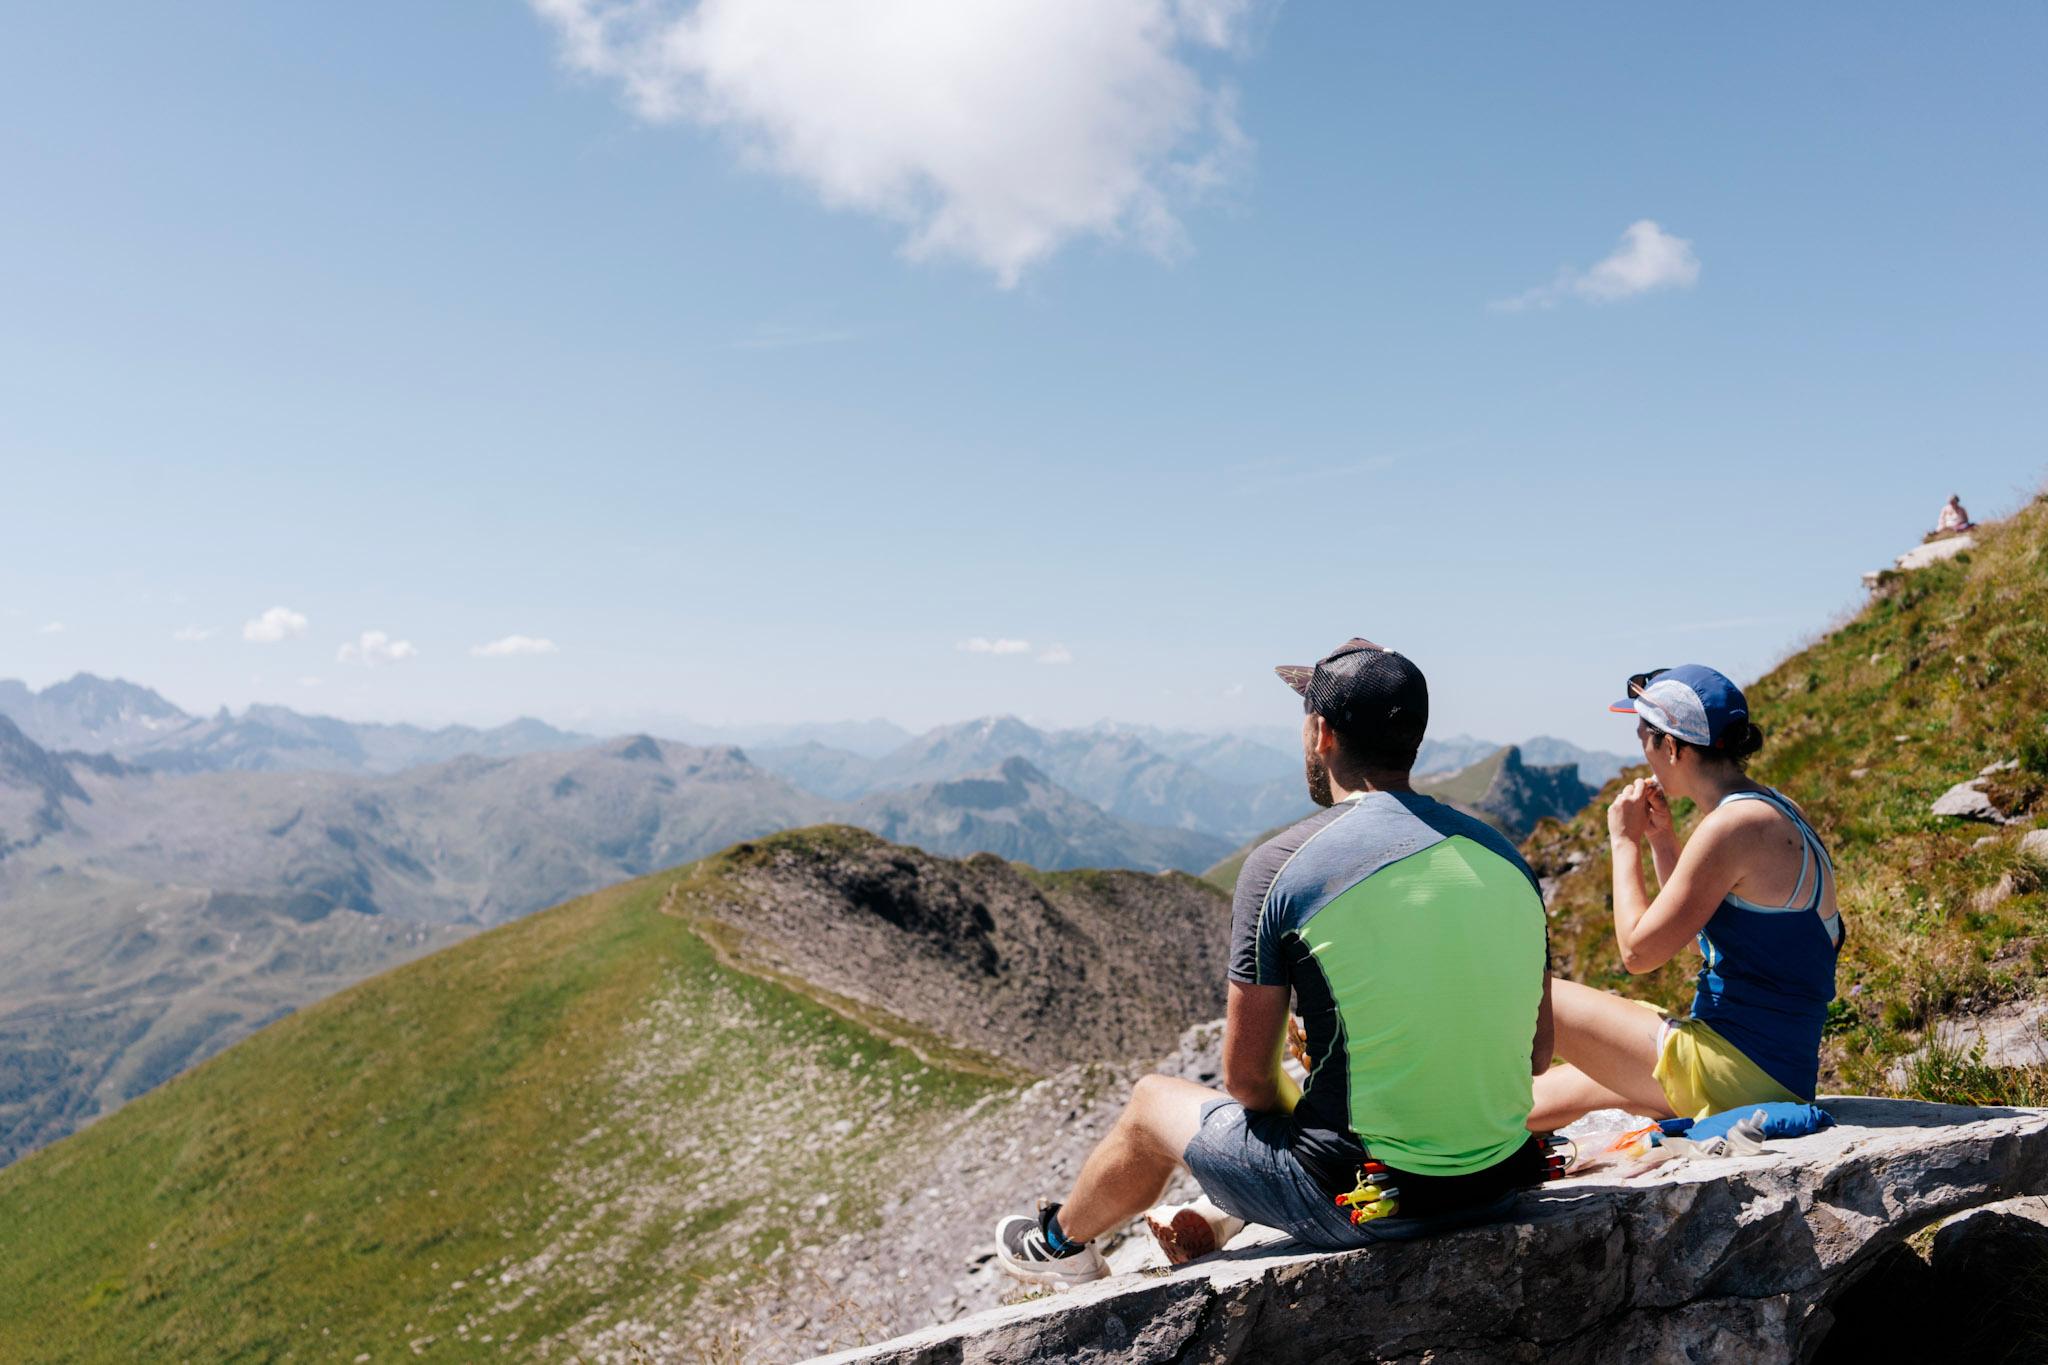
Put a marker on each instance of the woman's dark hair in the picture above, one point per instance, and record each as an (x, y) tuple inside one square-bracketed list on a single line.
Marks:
[(1738, 743)]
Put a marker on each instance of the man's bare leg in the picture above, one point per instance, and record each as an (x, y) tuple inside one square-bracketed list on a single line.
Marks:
[(1129, 1168)]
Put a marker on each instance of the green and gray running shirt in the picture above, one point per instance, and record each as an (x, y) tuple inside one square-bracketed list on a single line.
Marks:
[(1415, 941)]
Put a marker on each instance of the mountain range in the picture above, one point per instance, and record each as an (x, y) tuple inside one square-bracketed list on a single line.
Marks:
[(169, 882), (668, 1121), (150, 916)]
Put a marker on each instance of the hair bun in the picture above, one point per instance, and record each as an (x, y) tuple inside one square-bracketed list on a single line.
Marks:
[(1742, 739)]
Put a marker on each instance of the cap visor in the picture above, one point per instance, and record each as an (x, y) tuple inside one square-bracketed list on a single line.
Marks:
[(1295, 676), (1625, 707)]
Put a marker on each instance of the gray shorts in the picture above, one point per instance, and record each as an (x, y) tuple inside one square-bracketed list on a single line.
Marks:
[(1244, 1164)]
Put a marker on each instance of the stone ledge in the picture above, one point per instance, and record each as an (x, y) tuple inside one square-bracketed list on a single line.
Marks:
[(1733, 1259)]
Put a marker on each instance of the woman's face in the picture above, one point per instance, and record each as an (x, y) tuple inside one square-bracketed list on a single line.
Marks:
[(1656, 752)]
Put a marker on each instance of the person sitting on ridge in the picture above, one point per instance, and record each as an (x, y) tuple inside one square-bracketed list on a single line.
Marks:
[(1953, 520), (1413, 938), (1753, 884)]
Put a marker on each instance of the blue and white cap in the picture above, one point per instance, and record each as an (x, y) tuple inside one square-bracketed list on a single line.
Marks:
[(1693, 702)]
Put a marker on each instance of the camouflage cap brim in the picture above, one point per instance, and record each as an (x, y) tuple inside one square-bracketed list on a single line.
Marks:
[(1296, 676)]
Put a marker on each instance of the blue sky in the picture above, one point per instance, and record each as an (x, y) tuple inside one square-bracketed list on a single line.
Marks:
[(669, 347)]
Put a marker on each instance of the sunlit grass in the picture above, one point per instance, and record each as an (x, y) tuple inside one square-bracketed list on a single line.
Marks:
[(1944, 675)]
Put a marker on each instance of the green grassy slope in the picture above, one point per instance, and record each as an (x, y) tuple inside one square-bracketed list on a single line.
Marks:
[(1944, 674), (554, 1124), (1468, 786)]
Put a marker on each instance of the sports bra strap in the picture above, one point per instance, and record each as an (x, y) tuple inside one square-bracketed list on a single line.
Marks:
[(1812, 853)]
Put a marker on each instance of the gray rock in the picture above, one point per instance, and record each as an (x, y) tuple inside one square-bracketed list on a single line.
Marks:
[(1988, 1269), (1733, 1259), (2013, 1034), (2034, 844), (1968, 801)]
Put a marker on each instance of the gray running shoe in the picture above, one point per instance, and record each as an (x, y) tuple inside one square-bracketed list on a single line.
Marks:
[(1021, 1249)]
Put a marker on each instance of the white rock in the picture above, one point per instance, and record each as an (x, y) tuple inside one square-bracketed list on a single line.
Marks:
[(1967, 801), (1920, 556)]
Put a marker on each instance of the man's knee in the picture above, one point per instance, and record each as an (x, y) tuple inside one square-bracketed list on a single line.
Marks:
[(1166, 1111), (1151, 1091)]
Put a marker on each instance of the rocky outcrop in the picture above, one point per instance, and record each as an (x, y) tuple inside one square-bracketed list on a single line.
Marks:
[(1734, 1259), (1969, 801), (1919, 557), (981, 953), (2011, 1034), (1510, 793)]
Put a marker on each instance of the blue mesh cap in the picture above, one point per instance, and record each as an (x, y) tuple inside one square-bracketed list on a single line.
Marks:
[(1366, 691), (1691, 702)]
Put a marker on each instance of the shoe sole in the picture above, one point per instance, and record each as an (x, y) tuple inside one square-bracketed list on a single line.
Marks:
[(1184, 1237), (1029, 1275)]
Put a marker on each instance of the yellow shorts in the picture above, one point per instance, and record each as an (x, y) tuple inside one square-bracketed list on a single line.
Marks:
[(1703, 1073)]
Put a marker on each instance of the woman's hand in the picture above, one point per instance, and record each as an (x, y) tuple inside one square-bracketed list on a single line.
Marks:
[(1657, 813), (1628, 819)]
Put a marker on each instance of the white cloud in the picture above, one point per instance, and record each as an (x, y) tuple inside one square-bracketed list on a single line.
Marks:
[(515, 644), (993, 130), (277, 624), (51, 628), (189, 635), (981, 644), (309, 682), (374, 647), (1649, 258), (1056, 654)]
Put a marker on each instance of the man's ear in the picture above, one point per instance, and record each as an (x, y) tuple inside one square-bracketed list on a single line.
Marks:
[(1326, 736)]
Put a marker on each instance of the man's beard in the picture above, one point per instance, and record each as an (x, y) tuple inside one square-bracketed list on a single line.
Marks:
[(1318, 781)]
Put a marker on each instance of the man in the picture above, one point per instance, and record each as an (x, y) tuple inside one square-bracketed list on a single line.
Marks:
[(1413, 939)]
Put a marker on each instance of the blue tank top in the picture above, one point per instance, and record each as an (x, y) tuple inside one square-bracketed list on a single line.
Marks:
[(1769, 971)]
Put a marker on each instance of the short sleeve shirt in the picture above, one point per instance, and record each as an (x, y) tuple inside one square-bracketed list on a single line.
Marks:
[(1414, 938)]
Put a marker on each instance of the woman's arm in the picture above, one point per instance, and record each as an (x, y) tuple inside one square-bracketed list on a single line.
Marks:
[(1660, 834), (1649, 932)]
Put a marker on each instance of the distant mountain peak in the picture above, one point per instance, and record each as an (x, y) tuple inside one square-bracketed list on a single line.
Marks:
[(1022, 771), (637, 749)]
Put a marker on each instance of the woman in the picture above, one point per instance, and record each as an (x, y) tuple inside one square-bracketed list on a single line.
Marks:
[(1753, 884)]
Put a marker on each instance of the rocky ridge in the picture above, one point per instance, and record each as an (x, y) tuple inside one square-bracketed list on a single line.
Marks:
[(1732, 1259)]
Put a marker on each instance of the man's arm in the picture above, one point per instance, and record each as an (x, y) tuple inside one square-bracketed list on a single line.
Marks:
[(1254, 1035), (1544, 1050)]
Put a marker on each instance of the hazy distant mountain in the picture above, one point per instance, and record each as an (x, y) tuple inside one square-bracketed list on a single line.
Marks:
[(34, 786), (97, 715), (866, 738), (1113, 768), (838, 773), (94, 715), (151, 916), (1232, 758), (1596, 766), (1016, 811), (159, 916), (1453, 753), (278, 739), (1509, 793)]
